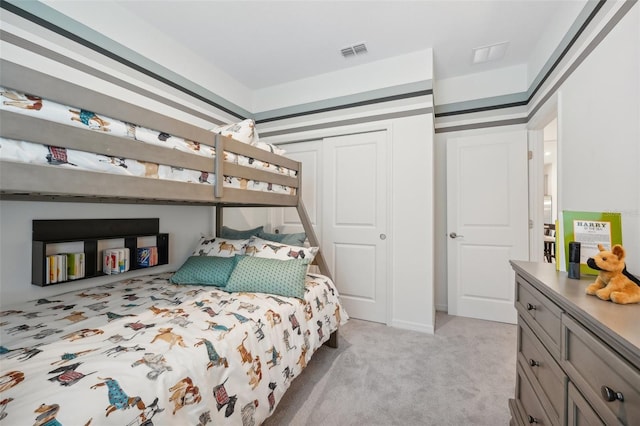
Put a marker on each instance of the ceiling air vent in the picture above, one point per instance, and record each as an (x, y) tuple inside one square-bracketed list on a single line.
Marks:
[(348, 51), (493, 52), (356, 49)]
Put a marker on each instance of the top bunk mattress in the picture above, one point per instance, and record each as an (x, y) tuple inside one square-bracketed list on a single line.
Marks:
[(47, 134)]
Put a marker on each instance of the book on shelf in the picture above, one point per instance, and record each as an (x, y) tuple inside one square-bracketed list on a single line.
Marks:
[(75, 266), (147, 256), (61, 269), (115, 261), (52, 267), (64, 267)]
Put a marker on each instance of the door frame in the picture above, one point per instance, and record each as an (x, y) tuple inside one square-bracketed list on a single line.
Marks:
[(383, 125), (535, 133)]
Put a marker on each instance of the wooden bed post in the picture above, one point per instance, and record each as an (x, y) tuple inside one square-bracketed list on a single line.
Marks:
[(219, 219), (333, 340)]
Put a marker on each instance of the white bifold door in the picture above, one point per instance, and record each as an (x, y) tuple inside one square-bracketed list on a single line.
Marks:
[(345, 193), (355, 221)]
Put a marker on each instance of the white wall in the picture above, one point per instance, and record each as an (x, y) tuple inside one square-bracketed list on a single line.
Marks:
[(245, 218), (413, 223), (503, 81), (405, 69), (440, 222), (599, 134), (184, 224)]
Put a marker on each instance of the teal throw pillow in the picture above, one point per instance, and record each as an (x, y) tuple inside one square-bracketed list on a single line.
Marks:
[(272, 276), (297, 239), (236, 234), (205, 270)]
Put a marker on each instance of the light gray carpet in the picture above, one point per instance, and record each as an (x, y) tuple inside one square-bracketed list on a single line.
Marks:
[(462, 375)]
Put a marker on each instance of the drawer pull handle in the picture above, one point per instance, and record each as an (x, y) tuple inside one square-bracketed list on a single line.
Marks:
[(610, 395), (534, 363), (531, 307), (532, 420)]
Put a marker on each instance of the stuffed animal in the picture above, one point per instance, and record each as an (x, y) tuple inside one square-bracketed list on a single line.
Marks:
[(614, 282)]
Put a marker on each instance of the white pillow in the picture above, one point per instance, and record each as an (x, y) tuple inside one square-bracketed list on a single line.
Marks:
[(219, 247), (270, 147), (258, 247), (244, 131)]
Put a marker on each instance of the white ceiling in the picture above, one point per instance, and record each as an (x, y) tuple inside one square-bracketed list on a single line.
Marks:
[(266, 43)]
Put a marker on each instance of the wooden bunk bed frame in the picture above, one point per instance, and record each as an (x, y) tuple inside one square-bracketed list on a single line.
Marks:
[(17, 180)]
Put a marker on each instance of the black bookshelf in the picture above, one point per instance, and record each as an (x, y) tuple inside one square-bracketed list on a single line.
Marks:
[(90, 232)]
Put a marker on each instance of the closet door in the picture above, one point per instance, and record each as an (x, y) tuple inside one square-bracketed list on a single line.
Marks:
[(309, 154), (354, 221)]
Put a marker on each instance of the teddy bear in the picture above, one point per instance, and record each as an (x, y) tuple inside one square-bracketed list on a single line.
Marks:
[(614, 282)]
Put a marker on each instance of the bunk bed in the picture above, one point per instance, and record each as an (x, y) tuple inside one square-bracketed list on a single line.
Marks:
[(146, 350)]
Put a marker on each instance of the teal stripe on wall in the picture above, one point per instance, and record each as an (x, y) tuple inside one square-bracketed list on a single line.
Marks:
[(48, 17), (388, 94)]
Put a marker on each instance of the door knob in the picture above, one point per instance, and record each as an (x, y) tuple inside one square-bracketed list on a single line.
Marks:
[(454, 235), (383, 236)]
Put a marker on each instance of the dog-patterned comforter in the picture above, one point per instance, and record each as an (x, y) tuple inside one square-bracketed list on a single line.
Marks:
[(143, 351)]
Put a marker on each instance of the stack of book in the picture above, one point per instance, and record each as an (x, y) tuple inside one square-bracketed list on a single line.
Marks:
[(147, 256), (64, 267), (115, 261)]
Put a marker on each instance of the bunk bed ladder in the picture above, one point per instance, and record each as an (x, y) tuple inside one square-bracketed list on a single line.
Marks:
[(313, 239)]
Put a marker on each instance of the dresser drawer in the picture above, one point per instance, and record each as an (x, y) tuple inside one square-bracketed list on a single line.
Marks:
[(545, 374), (579, 411), (542, 315), (530, 407), (595, 368)]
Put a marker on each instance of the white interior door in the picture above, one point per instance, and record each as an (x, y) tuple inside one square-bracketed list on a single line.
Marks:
[(355, 222), (487, 221)]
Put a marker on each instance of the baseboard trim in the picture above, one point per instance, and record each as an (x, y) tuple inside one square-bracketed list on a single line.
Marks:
[(413, 326), (442, 308)]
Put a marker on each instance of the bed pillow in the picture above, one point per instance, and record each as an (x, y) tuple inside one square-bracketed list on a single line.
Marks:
[(205, 270), (272, 276), (244, 131), (270, 147), (297, 239), (258, 247), (236, 234), (219, 247)]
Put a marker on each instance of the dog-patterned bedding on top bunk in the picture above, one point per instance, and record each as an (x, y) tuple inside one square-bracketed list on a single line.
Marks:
[(145, 350), (35, 153)]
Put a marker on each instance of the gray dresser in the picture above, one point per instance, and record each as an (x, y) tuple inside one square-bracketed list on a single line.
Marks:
[(578, 357)]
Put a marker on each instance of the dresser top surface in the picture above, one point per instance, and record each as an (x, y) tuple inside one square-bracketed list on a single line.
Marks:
[(618, 325)]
